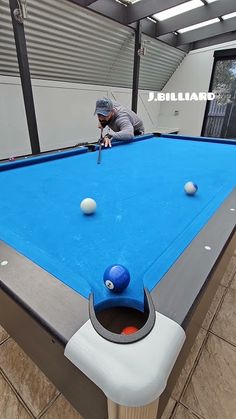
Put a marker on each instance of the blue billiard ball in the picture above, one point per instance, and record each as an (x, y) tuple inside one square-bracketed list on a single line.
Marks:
[(116, 278)]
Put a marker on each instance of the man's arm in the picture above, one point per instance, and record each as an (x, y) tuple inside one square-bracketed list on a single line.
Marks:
[(126, 129)]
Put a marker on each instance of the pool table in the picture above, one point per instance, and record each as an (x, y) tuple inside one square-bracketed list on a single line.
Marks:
[(53, 300)]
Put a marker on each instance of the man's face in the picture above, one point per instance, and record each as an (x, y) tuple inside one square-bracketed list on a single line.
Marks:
[(103, 118)]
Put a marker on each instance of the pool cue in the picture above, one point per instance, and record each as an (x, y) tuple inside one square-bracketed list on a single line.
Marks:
[(100, 147)]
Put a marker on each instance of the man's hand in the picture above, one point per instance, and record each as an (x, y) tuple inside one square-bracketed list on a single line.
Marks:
[(107, 141)]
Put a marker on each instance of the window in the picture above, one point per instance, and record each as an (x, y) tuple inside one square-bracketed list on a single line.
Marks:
[(220, 116)]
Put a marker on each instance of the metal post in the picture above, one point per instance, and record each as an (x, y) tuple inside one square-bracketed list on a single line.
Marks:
[(136, 67), (21, 50)]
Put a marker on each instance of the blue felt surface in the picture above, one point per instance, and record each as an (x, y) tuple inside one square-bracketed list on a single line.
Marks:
[(144, 220)]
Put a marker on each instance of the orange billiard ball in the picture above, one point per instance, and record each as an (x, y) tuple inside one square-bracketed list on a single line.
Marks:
[(129, 330)]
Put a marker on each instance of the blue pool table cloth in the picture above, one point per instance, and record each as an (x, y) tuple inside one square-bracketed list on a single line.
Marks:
[(144, 219)]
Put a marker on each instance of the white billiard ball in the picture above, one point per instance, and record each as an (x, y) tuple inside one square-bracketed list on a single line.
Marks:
[(190, 188), (88, 206)]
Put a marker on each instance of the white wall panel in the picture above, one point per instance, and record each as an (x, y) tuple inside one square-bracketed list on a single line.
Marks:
[(64, 113), (193, 75), (148, 111), (75, 56), (14, 138)]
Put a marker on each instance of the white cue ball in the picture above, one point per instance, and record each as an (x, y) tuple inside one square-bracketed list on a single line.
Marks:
[(88, 206), (190, 188)]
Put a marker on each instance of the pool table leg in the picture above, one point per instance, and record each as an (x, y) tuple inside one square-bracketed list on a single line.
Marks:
[(116, 411)]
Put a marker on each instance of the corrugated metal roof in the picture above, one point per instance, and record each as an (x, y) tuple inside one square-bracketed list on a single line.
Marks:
[(68, 43)]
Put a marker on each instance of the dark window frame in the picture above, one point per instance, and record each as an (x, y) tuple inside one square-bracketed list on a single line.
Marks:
[(220, 55)]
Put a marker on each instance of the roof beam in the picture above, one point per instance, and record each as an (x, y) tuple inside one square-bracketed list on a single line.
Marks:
[(146, 8), (111, 9), (117, 12), (219, 39), (207, 31), (171, 39), (195, 16), (88, 2), (107, 8), (149, 28), (78, 2)]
